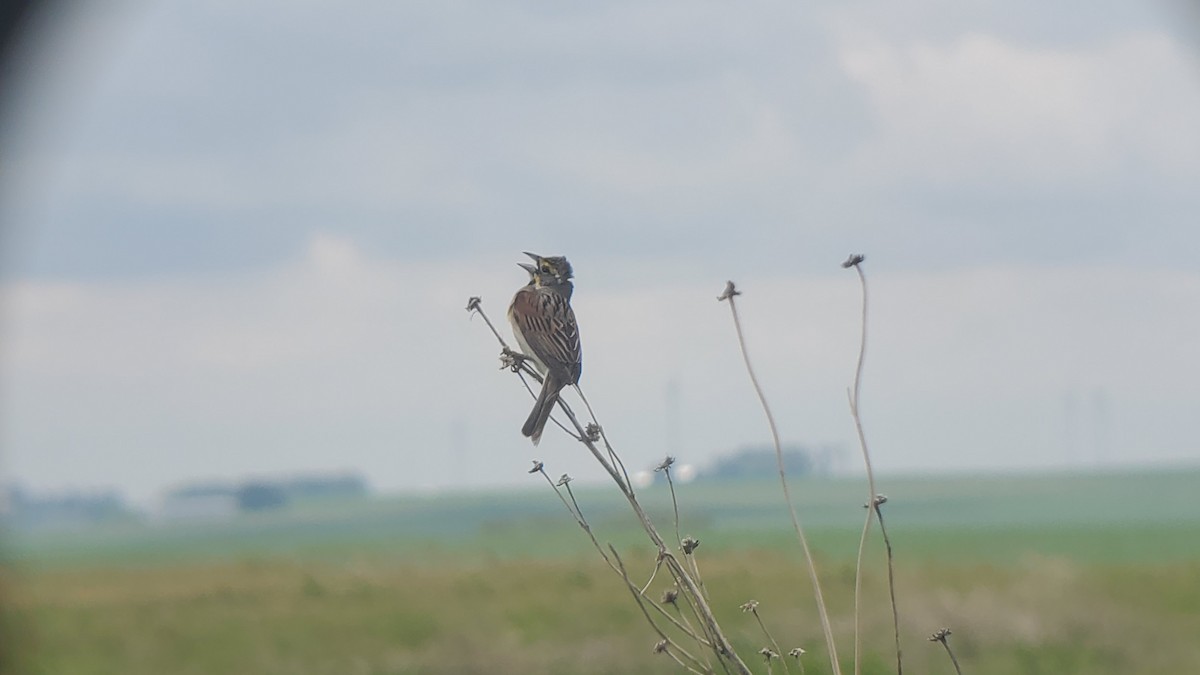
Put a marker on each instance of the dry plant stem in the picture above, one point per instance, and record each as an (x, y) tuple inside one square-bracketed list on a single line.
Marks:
[(709, 639), (722, 648), (653, 575), (858, 565), (941, 636), (770, 637), (952, 659), (690, 669), (679, 538), (616, 459), (862, 442), (573, 508), (639, 599), (873, 502), (674, 504), (718, 642), (577, 512), (729, 294), (689, 630), (474, 304), (887, 542)]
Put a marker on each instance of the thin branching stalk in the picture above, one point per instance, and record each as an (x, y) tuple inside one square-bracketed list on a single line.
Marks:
[(874, 499), (858, 566), (616, 459), (720, 645), (796, 654), (853, 397), (665, 467), (730, 293), (693, 608), (641, 603), (610, 461), (653, 576), (752, 607), (722, 648), (887, 542), (942, 637), (671, 596), (664, 647), (574, 509)]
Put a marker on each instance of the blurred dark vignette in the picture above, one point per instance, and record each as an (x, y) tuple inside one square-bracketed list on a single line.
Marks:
[(16, 19), (25, 21)]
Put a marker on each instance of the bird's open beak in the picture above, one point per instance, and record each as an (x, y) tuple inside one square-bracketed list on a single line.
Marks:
[(528, 268), (535, 256)]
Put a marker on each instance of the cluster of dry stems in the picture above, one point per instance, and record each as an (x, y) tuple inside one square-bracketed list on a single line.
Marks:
[(682, 616)]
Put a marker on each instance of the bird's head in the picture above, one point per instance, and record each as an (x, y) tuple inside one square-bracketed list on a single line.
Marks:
[(548, 270)]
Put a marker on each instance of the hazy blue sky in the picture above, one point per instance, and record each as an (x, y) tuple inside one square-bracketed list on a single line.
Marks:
[(238, 237)]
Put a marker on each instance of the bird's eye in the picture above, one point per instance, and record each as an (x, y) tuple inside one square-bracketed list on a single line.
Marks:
[(545, 266)]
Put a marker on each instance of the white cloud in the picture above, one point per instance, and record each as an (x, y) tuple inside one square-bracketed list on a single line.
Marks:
[(340, 358), (979, 107), (646, 142)]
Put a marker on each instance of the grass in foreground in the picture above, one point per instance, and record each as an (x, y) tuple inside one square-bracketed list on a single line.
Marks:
[(1031, 576), (562, 615)]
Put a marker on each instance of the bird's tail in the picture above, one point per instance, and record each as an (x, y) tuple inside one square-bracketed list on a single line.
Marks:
[(542, 409)]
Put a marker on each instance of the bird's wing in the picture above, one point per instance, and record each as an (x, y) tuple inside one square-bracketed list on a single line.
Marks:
[(547, 322)]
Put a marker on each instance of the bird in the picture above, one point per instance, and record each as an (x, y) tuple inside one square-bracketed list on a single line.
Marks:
[(545, 327)]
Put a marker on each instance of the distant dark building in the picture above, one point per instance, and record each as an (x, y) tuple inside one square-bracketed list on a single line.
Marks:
[(324, 486), (26, 510), (200, 501), (209, 500), (260, 496), (759, 461)]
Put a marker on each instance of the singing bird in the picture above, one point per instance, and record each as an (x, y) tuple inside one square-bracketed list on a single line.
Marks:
[(544, 323)]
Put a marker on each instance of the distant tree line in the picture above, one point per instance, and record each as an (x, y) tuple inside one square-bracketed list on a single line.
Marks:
[(265, 494), (26, 510), (759, 461)]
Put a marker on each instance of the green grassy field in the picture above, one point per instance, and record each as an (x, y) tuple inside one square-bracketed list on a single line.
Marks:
[(1047, 574)]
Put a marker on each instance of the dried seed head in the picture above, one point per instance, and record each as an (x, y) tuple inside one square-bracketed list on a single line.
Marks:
[(688, 545), (473, 303), (665, 464), (767, 654), (592, 432), (854, 260), (566, 478), (751, 606), (660, 646), (797, 652), (537, 466), (879, 500), (940, 636), (730, 291), (670, 596)]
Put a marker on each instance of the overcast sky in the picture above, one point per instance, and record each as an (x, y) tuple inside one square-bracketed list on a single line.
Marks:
[(238, 237)]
